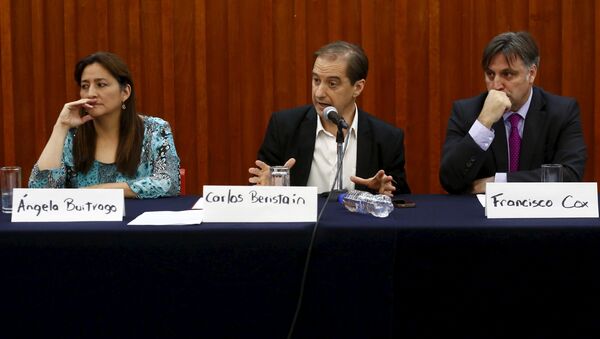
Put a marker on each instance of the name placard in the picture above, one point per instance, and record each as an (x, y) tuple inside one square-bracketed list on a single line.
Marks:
[(67, 204), (542, 200), (260, 204)]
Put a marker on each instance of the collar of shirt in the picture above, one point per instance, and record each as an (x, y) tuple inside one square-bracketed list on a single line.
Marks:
[(353, 127), (522, 111)]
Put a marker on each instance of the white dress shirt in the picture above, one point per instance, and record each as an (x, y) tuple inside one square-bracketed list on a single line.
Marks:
[(324, 163)]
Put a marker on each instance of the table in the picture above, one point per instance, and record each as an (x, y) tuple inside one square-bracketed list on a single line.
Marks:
[(436, 270), (457, 273)]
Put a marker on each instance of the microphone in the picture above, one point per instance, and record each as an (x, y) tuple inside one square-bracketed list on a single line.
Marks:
[(331, 113)]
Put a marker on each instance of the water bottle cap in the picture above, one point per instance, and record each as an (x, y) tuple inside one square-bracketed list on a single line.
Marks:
[(341, 197)]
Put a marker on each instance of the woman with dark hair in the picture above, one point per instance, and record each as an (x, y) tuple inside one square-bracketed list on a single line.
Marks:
[(100, 141)]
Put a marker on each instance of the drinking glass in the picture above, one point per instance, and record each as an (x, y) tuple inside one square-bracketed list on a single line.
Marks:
[(280, 176), (552, 173), (10, 177)]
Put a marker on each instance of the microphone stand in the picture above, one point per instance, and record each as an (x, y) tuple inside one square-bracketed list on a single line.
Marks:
[(339, 139), (333, 194)]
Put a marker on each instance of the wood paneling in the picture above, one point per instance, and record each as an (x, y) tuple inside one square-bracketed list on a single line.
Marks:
[(6, 74), (217, 69), (592, 134)]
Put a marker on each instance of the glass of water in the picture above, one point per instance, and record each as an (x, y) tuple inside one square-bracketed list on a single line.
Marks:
[(280, 176), (552, 173), (10, 178)]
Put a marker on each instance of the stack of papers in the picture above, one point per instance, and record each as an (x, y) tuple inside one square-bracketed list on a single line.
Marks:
[(187, 217)]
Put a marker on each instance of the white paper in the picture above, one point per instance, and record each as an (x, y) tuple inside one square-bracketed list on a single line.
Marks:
[(481, 198), (187, 217), (199, 205), (67, 204), (260, 203), (542, 200)]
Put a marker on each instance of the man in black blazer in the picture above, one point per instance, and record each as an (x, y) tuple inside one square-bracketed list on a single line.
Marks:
[(300, 138), (476, 149)]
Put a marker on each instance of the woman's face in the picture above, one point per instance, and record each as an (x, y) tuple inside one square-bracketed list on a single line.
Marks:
[(97, 83)]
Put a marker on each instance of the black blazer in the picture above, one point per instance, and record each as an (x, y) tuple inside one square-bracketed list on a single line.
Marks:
[(552, 134), (291, 134)]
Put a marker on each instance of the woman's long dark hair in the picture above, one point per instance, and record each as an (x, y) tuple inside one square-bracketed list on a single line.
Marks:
[(131, 127)]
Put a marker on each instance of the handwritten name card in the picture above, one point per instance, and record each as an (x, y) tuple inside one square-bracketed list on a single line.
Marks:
[(67, 204), (260, 204), (542, 200)]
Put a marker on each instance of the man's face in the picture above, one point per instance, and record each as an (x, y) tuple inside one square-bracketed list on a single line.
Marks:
[(331, 86), (515, 79)]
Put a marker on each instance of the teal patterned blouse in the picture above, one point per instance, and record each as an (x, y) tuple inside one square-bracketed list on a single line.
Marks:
[(157, 174)]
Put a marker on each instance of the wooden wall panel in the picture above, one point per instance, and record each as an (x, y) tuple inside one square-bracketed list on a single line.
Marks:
[(595, 135), (217, 47), (184, 84), (577, 58), (199, 165), (69, 50), (6, 73), (216, 70), (39, 73), (546, 25), (418, 110), (23, 127)]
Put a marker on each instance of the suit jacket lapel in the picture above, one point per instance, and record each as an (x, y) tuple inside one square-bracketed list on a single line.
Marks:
[(365, 157), (305, 147), (532, 131)]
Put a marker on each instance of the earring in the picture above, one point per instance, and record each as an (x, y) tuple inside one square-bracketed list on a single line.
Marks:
[(123, 106)]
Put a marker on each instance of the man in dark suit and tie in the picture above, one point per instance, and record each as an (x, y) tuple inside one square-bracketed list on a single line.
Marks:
[(507, 133), (301, 139)]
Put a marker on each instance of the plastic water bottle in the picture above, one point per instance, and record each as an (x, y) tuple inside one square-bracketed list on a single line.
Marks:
[(363, 202)]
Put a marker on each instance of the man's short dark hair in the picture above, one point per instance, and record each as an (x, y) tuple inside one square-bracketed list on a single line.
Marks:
[(512, 45), (358, 63)]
